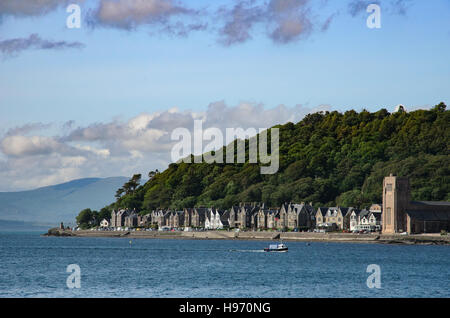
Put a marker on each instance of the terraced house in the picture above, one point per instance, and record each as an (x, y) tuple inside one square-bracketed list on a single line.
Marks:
[(176, 219), (320, 215), (118, 217), (188, 216), (198, 217), (216, 219), (266, 219), (246, 215), (300, 216), (233, 217), (131, 220), (158, 218)]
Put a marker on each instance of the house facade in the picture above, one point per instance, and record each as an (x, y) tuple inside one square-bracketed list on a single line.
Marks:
[(157, 218), (300, 216), (131, 220), (216, 219), (118, 218), (320, 215), (198, 217), (175, 219), (246, 215), (233, 217)]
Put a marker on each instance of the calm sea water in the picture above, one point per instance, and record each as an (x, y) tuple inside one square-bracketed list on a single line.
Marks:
[(35, 266)]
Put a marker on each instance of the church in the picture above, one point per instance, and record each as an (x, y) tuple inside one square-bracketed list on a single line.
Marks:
[(400, 214)]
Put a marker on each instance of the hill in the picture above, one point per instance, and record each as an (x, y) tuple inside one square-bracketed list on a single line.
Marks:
[(52, 204), (328, 158)]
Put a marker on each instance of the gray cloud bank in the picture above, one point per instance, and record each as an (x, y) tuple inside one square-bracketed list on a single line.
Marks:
[(282, 21), (13, 47), (23, 8), (129, 14), (30, 158)]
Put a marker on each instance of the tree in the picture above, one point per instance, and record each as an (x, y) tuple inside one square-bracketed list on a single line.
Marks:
[(134, 182), (84, 218), (441, 107), (119, 192), (152, 174), (105, 213)]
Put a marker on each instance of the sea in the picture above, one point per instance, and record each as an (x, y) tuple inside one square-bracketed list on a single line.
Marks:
[(32, 265)]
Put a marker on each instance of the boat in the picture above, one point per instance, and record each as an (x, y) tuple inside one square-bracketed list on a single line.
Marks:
[(280, 247)]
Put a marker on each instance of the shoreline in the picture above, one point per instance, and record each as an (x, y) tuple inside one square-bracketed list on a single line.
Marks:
[(418, 239)]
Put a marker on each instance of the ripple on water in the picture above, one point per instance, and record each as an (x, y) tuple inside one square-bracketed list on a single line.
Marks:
[(33, 266)]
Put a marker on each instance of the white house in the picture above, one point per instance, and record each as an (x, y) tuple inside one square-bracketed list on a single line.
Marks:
[(354, 221), (213, 220), (375, 221), (363, 219), (104, 223)]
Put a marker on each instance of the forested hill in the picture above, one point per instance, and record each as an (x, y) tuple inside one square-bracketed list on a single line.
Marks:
[(327, 158)]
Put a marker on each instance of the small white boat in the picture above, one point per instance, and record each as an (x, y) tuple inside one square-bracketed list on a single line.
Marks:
[(276, 248)]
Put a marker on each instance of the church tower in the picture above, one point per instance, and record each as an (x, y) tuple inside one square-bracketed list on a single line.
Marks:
[(396, 198)]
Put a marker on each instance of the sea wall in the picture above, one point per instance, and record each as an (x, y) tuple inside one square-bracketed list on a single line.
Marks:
[(266, 236)]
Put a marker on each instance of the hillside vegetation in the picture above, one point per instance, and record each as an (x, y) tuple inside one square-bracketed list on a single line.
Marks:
[(328, 158)]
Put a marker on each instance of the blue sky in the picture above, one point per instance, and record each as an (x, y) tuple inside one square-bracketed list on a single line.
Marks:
[(121, 74)]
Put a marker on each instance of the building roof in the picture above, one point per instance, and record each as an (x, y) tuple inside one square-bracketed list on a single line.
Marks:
[(224, 216), (375, 207), (357, 211), (332, 211), (364, 213), (424, 215), (434, 203), (376, 214), (322, 210)]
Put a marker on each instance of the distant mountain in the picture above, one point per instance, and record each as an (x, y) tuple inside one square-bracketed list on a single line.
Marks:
[(53, 204), (17, 226)]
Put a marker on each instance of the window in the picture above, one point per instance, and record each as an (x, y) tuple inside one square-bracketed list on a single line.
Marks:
[(388, 216), (389, 187)]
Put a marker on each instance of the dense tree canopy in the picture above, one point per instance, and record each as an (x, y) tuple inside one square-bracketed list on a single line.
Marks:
[(328, 158)]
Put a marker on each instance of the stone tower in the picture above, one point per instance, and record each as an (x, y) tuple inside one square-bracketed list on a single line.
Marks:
[(396, 198)]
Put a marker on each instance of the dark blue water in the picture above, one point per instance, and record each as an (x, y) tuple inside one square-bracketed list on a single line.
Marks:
[(35, 266)]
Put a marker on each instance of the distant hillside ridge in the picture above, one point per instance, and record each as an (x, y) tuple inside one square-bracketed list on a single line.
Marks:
[(56, 203), (328, 158)]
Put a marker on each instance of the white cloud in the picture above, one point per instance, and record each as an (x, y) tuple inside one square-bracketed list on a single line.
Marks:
[(24, 146), (100, 152)]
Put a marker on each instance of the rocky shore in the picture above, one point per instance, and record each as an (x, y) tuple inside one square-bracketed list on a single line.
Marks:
[(424, 239)]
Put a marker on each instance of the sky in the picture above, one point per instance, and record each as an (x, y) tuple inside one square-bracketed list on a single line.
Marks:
[(102, 100)]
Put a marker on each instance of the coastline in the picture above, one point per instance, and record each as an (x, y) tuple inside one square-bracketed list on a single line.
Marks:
[(419, 239)]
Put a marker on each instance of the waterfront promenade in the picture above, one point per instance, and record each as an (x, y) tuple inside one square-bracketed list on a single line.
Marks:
[(264, 235)]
